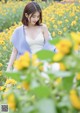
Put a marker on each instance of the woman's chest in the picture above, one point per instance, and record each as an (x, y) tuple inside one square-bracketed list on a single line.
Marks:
[(33, 33)]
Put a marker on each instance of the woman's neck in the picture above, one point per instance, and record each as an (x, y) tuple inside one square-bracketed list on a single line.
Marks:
[(30, 25)]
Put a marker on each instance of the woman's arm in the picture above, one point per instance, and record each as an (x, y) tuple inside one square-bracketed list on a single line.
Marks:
[(12, 59), (48, 37), (45, 32)]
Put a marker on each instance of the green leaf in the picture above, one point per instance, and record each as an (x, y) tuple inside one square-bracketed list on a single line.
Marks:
[(13, 75), (46, 106), (52, 76), (41, 91), (30, 109), (45, 54), (64, 102), (55, 41), (67, 83)]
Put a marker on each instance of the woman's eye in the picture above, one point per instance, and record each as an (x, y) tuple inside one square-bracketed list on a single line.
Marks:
[(33, 16)]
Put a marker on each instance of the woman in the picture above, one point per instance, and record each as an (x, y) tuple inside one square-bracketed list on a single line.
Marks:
[(32, 36)]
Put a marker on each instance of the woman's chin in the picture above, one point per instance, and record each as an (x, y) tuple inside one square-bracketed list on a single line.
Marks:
[(33, 24)]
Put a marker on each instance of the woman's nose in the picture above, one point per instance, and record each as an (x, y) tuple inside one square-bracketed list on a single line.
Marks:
[(36, 19)]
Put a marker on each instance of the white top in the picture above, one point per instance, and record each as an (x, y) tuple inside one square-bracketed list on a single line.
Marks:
[(35, 44)]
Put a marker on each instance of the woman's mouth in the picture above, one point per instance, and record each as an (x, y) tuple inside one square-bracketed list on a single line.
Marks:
[(34, 22)]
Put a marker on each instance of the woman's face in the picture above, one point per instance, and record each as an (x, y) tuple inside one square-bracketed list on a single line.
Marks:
[(34, 18)]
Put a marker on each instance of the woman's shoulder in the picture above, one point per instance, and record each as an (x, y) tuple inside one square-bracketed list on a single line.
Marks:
[(44, 28), (19, 28)]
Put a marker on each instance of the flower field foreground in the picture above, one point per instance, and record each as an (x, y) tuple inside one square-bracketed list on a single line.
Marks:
[(43, 84)]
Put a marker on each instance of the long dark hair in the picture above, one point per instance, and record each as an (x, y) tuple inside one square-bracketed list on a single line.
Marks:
[(31, 8)]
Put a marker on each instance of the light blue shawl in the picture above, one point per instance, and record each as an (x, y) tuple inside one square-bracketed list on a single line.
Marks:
[(19, 42)]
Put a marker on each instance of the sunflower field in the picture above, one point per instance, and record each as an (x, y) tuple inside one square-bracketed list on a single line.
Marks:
[(47, 82)]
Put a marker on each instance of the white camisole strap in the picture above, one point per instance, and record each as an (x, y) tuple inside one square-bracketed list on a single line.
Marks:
[(35, 44)]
